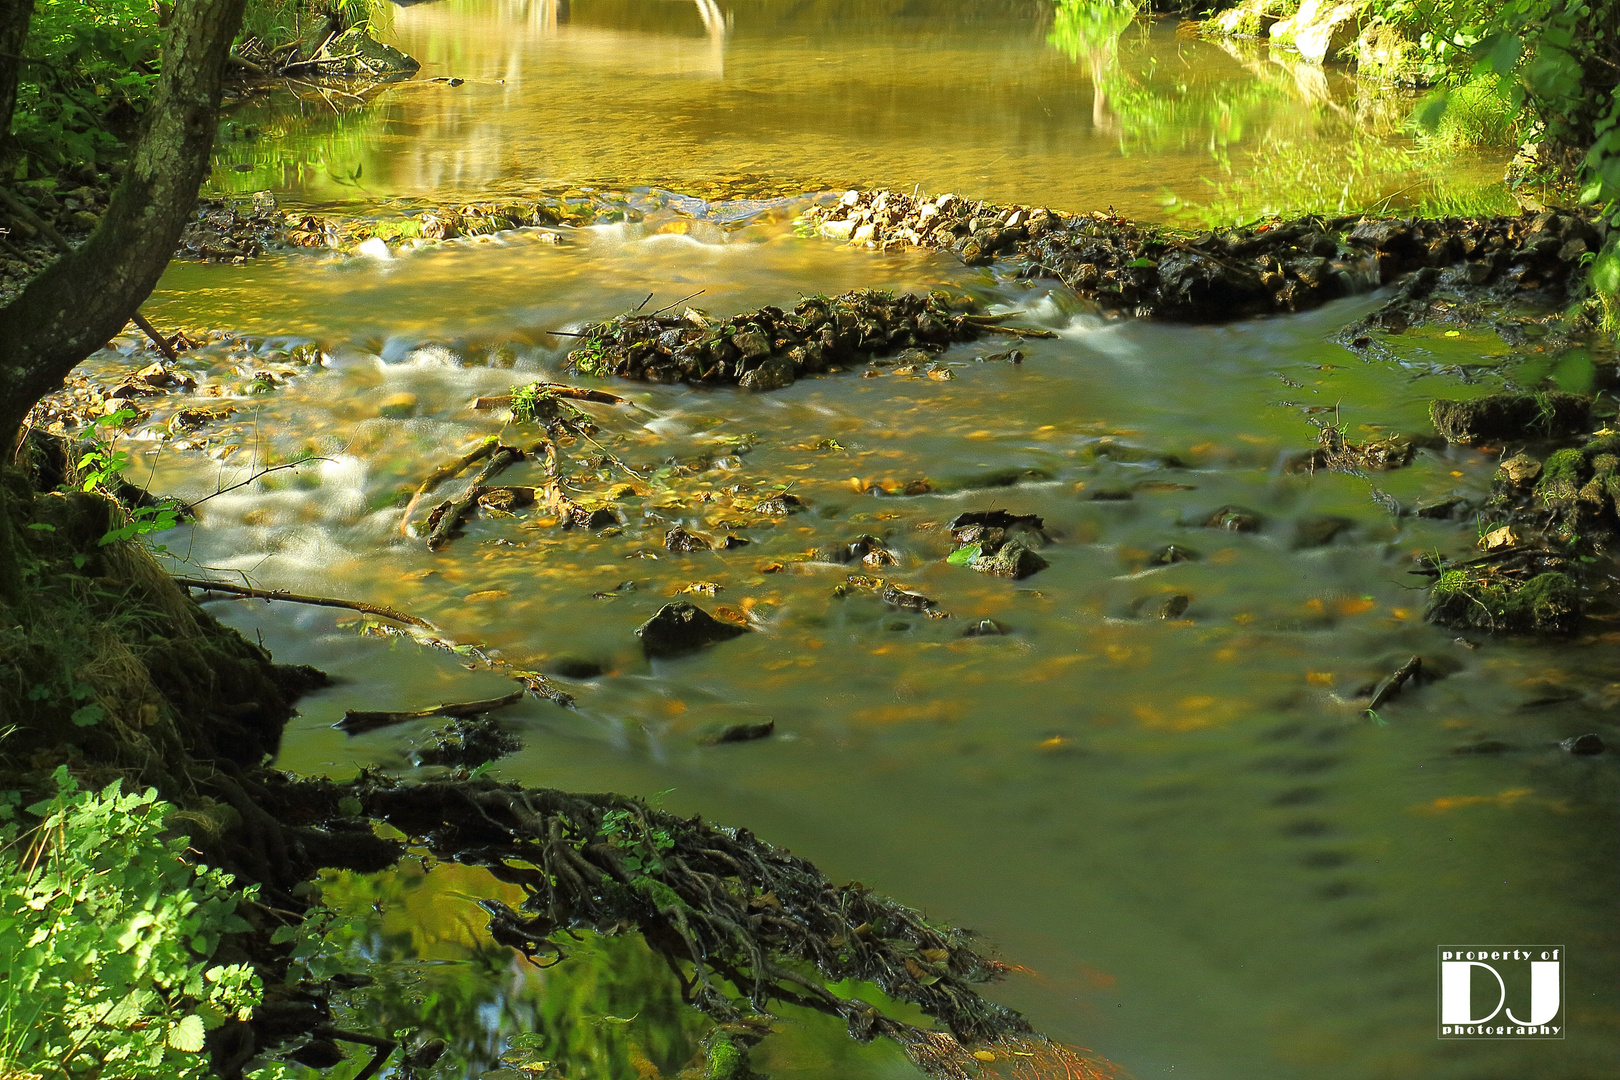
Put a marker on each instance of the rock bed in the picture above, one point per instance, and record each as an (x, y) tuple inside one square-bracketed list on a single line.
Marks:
[(770, 348), (177, 401), (236, 229), (1227, 273)]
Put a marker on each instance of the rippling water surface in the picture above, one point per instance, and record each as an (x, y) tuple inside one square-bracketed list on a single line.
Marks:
[(1204, 858)]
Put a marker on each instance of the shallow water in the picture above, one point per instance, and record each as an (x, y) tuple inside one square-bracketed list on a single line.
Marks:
[(1204, 857)]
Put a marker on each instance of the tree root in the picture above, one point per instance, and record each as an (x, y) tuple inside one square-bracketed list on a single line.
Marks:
[(720, 905)]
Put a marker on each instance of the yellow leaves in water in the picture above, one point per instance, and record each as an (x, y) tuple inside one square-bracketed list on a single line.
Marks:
[(935, 711), (1191, 713), (487, 595), (1319, 678), (891, 486), (1503, 799)]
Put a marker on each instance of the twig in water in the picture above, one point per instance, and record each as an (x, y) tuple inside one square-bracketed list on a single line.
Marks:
[(1392, 685), (677, 303), (258, 475), (446, 472)]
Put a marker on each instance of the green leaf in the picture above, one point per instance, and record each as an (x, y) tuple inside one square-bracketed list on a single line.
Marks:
[(964, 555), (350, 806), (88, 715), (43, 526), (187, 1035)]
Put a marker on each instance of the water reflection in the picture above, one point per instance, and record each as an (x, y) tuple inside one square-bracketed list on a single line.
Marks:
[(1077, 106)]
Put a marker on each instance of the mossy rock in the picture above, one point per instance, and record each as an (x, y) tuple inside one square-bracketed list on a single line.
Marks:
[(1511, 416), (1548, 603)]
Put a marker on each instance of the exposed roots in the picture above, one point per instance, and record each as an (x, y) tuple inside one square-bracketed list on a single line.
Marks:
[(742, 923)]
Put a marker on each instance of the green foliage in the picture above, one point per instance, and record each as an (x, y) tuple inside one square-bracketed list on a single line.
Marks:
[(1085, 27), (101, 468), (89, 68), (106, 941)]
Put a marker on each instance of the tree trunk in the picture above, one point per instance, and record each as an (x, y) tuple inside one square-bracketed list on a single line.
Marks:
[(14, 16), (83, 299)]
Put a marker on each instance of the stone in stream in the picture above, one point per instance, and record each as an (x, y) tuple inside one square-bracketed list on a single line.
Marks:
[(910, 601), (1320, 530), (682, 542), (745, 732), (775, 373), (1011, 560), (681, 628), (1233, 519), (1511, 416), (1584, 744), (985, 628), (998, 542)]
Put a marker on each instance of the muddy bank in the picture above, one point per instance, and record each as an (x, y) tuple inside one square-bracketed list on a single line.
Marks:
[(1155, 271)]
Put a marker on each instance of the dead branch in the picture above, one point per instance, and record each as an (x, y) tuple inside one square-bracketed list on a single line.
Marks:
[(444, 472), (296, 598)]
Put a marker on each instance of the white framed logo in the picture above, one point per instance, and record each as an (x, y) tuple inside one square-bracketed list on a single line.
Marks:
[(1501, 991)]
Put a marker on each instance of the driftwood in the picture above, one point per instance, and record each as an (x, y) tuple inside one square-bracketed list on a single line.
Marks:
[(444, 472), (449, 516), (562, 390), (297, 598), (356, 721)]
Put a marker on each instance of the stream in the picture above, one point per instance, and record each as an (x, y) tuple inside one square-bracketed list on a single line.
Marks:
[(1201, 855)]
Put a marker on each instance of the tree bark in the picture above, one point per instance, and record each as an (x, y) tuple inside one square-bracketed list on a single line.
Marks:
[(83, 299), (14, 16)]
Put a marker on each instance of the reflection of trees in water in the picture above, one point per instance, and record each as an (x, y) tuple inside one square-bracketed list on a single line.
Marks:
[(611, 1009), (1287, 136)]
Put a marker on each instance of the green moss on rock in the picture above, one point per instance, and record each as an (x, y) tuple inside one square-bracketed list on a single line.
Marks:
[(1548, 603)]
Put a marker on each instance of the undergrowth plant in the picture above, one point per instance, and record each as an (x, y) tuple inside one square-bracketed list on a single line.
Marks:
[(108, 938), (101, 468)]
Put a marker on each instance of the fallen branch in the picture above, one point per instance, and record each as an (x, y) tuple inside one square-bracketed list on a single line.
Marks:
[(1392, 685), (993, 328), (450, 515), (445, 472), (296, 598), (356, 721)]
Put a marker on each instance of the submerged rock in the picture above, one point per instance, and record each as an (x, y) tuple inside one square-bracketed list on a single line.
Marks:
[(681, 628), (1511, 416)]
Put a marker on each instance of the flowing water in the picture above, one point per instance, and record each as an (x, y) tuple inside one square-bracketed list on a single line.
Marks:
[(1202, 855)]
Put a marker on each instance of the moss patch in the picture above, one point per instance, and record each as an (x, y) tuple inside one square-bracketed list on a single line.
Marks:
[(1479, 598)]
